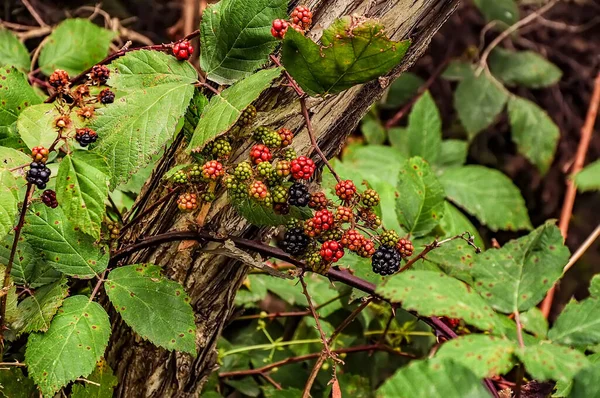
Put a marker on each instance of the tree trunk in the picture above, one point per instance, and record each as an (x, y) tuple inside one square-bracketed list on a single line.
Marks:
[(212, 280)]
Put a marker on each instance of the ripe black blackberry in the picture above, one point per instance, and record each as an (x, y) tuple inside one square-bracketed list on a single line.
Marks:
[(106, 96), (386, 261), (38, 174), (295, 241), (49, 198), (298, 195), (85, 136)]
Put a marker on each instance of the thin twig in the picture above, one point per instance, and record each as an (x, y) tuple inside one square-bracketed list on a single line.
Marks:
[(582, 249), (115, 208), (519, 329), (16, 363), (87, 381), (98, 284), (569, 201), (150, 209), (34, 13), (316, 316), (270, 380)]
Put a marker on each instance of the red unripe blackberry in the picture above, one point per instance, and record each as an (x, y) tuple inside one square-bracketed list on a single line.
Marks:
[(278, 28), (298, 195), (295, 242), (405, 248), (451, 322), (302, 17), (99, 74), (260, 153), (59, 79), (345, 190), (187, 202), (321, 222), (258, 190), (302, 168), (343, 215), (352, 240), (331, 251), (212, 170), (39, 154), (49, 198), (367, 249), (386, 261), (106, 96), (318, 201), (286, 136), (183, 50), (85, 136)]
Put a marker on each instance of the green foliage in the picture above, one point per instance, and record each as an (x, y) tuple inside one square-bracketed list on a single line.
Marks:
[(12, 51), (373, 130), (236, 37), (361, 44), (420, 199), (505, 11), (458, 70), (588, 179), (155, 91), (102, 375), (82, 189), (424, 133), (36, 311), (585, 382), (257, 214), (523, 68), (15, 96), (533, 131), (74, 46), (488, 195), (223, 110), (12, 158), (551, 362), (14, 384), (8, 202), (155, 307), (71, 347), (534, 321), (433, 378), (402, 89), (64, 247), (28, 267), (36, 125)]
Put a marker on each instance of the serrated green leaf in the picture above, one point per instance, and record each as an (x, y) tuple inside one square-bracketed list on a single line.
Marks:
[(102, 375), (517, 276), (533, 131), (484, 355), (224, 110), (351, 52), (401, 90), (14, 384), (588, 179), (420, 199), (8, 202), (12, 51), (71, 347), (458, 70), (533, 321), (37, 310), (156, 308), (82, 188), (12, 158), (373, 130), (257, 214), (551, 362), (455, 222), (433, 293), (156, 90), (62, 244), (236, 39), (478, 102), (578, 323), (36, 125), (453, 153), (523, 68), (425, 129), (74, 45), (506, 11), (15, 95), (433, 378), (585, 382), (488, 195)]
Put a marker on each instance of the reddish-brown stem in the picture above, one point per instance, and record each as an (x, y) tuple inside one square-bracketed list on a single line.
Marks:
[(315, 315), (11, 260), (520, 375), (289, 78), (567, 209), (208, 86), (270, 380)]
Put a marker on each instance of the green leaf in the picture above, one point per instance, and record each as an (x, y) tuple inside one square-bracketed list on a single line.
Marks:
[(433, 293), (224, 110), (398, 137), (12, 51), (373, 130), (71, 347), (14, 384), (533, 131), (156, 308), (523, 68), (588, 179), (352, 52), (585, 382), (74, 46), (102, 375), (506, 11), (236, 39), (82, 188), (425, 129), (551, 362), (404, 88), (63, 245), (478, 102), (37, 310), (420, 199), (577, 324), (8, 202), (517, 276), (15, 95), (156, 91), (36, 125), (257, 214), (458, 70), (484, 355), (12, 158), (488, 195), (453, 153), (433, 378), (28, 267), (534, 321), (454, 223)]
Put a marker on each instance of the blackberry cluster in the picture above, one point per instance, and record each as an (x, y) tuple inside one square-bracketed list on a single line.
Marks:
[(39, 154), (286, 136), (85, 136), (38, 174), (248, 115), (49, 198), (106, 96), (113, 230), (221, 148), (389, 238), (294, 241), (318, 201), (298, 195), (99, 74), (370, 198), (386, 261), (243, 171), (59, 79), (302, 17), (183, 50)]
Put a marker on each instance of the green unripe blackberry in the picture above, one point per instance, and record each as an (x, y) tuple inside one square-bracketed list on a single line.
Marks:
[(265, 170), (272, 139), (370, 198), (221, 148), (314, 262), (289, 154), (243, 171), (260, 132), (268, 201), (195, 173), (208, 196), (293, 223), (235, 189), (389, 238), (332, 234), (273, 180), (180, 177), (248, 115), (279, 194)]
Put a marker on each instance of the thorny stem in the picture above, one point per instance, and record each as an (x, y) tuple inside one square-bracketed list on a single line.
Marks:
[(11, 260)]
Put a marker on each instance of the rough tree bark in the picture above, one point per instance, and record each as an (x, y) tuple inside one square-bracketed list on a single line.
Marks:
[(210, 280)]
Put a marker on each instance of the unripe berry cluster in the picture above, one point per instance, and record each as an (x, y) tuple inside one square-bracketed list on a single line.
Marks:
[(300, 20)]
